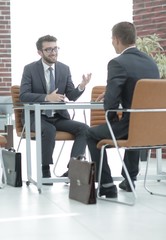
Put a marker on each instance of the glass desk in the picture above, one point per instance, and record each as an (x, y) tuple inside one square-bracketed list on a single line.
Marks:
[(37, 108)]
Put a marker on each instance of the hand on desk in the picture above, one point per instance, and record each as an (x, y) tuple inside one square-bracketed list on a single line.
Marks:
[(55, 97), (100, 98)]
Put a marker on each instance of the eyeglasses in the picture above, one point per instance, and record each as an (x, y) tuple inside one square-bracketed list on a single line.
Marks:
[(50, 50)]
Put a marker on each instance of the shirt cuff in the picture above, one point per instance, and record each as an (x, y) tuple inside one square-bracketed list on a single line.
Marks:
[(79, 89)]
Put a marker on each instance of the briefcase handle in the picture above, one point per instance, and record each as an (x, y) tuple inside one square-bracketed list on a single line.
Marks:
[(12, 149), (81, 157)]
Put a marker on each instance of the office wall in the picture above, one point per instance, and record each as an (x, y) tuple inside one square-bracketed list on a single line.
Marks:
[(150, 17), (5, 47)]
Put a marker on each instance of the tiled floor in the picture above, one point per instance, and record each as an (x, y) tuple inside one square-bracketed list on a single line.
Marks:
[(26, 214)]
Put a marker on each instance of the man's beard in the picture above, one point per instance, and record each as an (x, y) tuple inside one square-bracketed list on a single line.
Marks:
[(49, 60)]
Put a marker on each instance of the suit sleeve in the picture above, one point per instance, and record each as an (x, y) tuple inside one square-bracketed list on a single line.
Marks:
[(72, 92), (116, 78), (31, 90)]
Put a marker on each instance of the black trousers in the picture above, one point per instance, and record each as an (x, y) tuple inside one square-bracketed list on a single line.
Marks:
[(131, 158), (49, 126)]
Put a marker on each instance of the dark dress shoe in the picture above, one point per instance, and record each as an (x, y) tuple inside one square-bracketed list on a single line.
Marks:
[(65, 174), (46, 174), (48, 184), (124, 185), (109, 192)]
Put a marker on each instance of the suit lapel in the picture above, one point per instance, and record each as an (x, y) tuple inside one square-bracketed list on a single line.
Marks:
[(41, 74), (56, 75)]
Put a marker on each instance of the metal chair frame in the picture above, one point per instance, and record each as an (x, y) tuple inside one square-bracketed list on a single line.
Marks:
[(148, 111), (3, 143), (20, 129)]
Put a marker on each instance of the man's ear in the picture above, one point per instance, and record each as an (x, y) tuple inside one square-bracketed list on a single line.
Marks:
[(117, 40), (40, 53)]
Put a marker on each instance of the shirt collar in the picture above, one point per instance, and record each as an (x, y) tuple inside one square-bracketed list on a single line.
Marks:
[(47, 66), (128, 48)]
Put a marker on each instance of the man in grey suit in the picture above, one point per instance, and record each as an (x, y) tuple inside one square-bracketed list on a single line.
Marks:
[(48, 80), (123, 73)]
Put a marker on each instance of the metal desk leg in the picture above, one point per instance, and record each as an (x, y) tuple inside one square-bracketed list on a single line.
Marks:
[(28, 145), (38, 146), (159, 161)]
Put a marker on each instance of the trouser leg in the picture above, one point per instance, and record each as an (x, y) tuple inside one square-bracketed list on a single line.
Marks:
[(92, 140), (48, 132), (78, 129), (131, 160)]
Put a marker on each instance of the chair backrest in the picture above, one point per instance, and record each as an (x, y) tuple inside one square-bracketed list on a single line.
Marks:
[(97, 116), (148, 128), (3, 141), (4, 107), (15, 91)]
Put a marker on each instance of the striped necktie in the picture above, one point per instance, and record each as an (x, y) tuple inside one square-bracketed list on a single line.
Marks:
[(52, 80), (49, 113)]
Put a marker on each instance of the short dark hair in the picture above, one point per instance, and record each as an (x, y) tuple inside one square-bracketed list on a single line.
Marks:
[(47, 38), (125, 32)]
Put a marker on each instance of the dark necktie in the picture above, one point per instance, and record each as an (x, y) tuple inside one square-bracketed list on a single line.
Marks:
[(52, 80), (49, 113)]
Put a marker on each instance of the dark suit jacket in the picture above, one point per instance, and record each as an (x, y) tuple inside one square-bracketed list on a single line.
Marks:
[(123, 73), (33, 84)]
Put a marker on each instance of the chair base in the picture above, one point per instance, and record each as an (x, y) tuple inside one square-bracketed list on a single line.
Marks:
[(133, 192), (154, 193), (161, 176), (130, 199), (46, 180)]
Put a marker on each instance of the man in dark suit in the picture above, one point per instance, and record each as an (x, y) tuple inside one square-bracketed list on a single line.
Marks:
[(49, 80), (123, 73)]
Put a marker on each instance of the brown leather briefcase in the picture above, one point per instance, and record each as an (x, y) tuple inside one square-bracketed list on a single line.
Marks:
[(82, 180)]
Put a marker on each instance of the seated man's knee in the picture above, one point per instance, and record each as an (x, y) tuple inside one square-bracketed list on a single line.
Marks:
[(49, 131)]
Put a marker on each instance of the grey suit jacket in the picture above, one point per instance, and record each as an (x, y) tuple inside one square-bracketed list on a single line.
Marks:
[(33, 84), (123, 73)]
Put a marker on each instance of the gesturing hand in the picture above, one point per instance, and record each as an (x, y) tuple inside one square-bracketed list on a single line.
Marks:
[(85, 80)]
